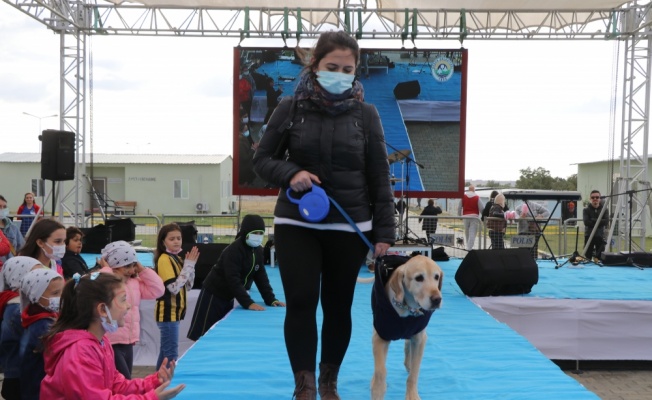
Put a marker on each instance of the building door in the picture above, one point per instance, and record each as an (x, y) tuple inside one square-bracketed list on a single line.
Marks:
[(98, 194)]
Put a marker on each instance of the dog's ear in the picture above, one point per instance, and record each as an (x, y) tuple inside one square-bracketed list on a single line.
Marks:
[(441, 279), (396, 284)]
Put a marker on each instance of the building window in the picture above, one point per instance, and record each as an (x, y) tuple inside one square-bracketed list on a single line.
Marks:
[(181, 189), (38, 187)]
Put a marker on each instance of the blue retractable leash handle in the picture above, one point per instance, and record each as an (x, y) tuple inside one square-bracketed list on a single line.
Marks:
[(314, 207)]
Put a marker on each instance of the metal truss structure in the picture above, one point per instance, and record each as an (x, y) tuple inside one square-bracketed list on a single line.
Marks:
[(76, 20)]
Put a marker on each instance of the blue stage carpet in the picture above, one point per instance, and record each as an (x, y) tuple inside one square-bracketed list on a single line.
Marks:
[(469, 355)]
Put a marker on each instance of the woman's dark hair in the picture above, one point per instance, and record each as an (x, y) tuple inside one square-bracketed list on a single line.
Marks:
[(493, 195), (327, 42), (79, 300), (162, 233), (431, 202), (71, 232), (3, 198), (41, 230)]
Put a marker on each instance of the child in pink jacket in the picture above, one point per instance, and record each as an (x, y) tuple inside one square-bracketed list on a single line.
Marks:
[(78, 355), (142, 283)]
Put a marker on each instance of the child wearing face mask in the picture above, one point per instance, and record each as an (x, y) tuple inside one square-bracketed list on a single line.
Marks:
[(120, 259), (46, 243), (240, 265), (79, 362), (178, 275), (11, 328), (40, 295)]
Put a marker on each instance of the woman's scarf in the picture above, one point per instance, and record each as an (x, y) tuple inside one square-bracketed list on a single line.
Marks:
[(333, 104)]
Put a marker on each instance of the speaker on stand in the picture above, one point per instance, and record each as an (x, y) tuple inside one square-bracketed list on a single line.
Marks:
[(57, 158)]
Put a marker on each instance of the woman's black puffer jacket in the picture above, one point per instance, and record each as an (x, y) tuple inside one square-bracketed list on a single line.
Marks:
[(350, 161)]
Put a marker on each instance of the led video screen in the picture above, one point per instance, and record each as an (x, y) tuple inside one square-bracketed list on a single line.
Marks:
[(420, 96)]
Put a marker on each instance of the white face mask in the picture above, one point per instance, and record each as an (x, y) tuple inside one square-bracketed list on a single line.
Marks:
[(335, 82), (53, 303), (4, 213), (108, 323), (254, 240), (245, 133), (58, 251)]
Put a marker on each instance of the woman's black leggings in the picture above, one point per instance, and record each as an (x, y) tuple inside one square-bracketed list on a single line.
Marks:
[(313, 262)]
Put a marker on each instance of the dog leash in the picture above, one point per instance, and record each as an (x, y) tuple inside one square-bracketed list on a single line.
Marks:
[(350, 221)]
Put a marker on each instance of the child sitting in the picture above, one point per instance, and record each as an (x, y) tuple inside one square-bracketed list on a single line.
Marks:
[(12, 329), (40, 294), (79, 362)]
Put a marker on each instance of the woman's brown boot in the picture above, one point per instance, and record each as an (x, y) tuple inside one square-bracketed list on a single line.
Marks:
[(328, 381), (304, 386)]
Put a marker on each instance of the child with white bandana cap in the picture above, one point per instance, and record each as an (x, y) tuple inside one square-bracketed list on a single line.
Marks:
[(11, 329), (142, 283), (40, 294)]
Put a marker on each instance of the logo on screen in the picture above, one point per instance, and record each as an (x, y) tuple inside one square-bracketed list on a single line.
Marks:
[(442, 68)]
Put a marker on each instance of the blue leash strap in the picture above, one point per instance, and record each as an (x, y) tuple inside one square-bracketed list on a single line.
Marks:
[(355, 227)]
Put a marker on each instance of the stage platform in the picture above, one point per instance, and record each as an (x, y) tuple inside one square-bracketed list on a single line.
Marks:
[(478, 348)]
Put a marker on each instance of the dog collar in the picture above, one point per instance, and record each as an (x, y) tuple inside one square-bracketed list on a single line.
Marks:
[(414, 312)]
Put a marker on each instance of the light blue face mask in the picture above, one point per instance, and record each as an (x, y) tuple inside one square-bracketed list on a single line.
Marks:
[(245, 133), (335, 82), (109, 324), (4, 213)]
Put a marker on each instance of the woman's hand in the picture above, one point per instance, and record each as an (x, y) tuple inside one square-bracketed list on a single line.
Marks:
[(381, 249), (302, 181), (256, 307), (193, 254)]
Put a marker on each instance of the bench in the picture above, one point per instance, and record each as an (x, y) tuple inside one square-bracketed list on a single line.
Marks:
[(125, 207)]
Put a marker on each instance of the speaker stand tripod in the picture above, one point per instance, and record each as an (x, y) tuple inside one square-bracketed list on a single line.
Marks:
[(574, 259), (405, 195)]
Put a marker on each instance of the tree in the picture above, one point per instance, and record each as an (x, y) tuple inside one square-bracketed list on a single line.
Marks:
[(540, 179), (534, 179)]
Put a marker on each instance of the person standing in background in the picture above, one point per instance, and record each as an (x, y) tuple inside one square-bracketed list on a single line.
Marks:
[(529, 214), (470, 206), (430, 224), (29, 207), (15, 238), (590, 216), (496, 223)]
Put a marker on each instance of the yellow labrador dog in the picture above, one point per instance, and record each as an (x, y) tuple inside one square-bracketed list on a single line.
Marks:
[(402, 308)]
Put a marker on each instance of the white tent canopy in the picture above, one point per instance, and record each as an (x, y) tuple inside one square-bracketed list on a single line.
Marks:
[(484, 15), (513, 5)]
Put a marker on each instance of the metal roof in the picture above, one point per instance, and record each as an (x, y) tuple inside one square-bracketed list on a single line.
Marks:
[(126, 158)]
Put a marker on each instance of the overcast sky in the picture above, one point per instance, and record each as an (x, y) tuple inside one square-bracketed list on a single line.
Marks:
[(530, 104)]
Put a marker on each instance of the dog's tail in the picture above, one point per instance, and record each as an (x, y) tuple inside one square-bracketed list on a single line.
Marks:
[(366, 280)]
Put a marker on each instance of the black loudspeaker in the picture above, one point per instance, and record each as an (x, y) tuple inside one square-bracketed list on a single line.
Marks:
[(188, 232), (497, 272), (638, 258), (407, 90), (122, 229), (57, 155), (208, 255), (96, 238)]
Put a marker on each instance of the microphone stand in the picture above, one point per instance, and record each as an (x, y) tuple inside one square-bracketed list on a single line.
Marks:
[(408, 160)]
